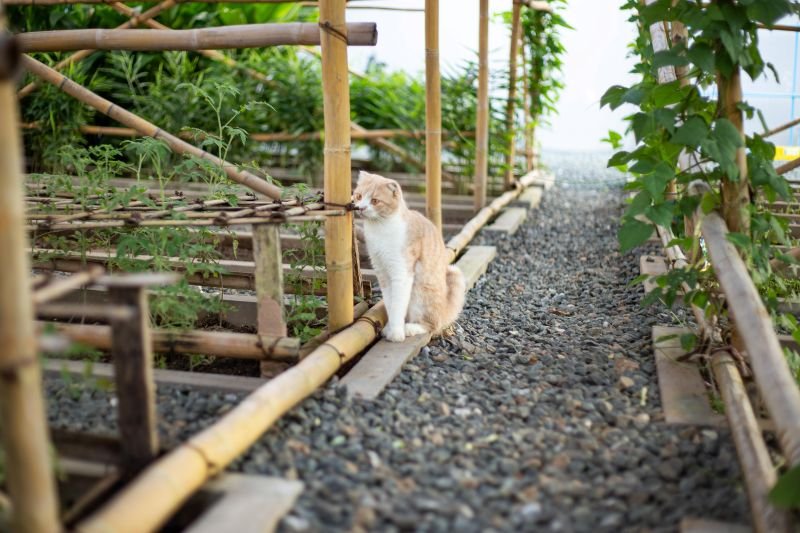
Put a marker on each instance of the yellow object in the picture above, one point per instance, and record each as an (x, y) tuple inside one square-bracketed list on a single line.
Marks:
[(786, 153)]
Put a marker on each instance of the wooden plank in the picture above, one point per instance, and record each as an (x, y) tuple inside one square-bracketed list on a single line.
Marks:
[(247, 504), (700, 525), (475, 262), (530, 198), (379, 366), (652, 265), (132, 350), (509, 221), (545, 179), (198, 380), (683, 394)]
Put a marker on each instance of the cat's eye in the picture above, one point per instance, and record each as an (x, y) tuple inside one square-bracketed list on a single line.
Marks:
[(375, 201), (358, 196)]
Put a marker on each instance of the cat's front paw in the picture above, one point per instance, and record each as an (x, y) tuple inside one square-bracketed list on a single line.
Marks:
[(412, 329), (394, 334)]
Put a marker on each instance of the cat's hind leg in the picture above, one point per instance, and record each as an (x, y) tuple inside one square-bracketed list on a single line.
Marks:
[(412, 328)]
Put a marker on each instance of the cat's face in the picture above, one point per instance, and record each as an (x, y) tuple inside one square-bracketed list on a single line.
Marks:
[(376, 197)]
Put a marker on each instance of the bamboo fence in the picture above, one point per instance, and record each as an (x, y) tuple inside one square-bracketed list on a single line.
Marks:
[(27, 464), (482, 119)]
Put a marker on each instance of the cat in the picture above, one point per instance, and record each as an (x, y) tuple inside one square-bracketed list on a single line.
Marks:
[(421, 291)]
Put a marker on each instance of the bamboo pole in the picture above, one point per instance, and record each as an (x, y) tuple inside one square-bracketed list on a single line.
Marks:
[(757, 467), (516, 26), (482, 125), (134, 20), (433, 116), (237, 36), (213, 343), (336, 103), (787, 167), (526, 108), (25, 440), (70, 2), (782, 127), (754, 326), (210, 451), (55, 290), (146, 128), (735, 193)]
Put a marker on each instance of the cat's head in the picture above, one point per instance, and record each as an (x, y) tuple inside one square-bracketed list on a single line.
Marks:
[(377, 197)]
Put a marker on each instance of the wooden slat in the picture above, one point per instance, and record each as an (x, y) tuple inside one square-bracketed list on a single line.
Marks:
[(509, 221), (681, 388), (475, 262), (652, 265)]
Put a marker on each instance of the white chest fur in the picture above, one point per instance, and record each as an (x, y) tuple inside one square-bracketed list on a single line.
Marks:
[(387, 243)]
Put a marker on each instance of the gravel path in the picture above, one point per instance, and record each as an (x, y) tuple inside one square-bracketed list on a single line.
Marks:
[(541, 414)]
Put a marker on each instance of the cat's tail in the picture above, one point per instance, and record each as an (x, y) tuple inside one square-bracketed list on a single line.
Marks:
[(456, 291)]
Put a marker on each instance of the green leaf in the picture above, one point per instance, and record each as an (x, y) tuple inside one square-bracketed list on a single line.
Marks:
[(739, 240), (768, 11), (661, 214), (642, 124), (633, 233), (613, 96), (639, 203), (709, 202), (702, 55), (667, 94), (691, 133), (620, 158), (668, 58), (786, 492), (688, 341)]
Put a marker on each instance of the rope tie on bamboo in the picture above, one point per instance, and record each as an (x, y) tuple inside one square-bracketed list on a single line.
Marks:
[(212, 468), (9, 55), (342, 355), (328, 28), (267, 352), (350, 206), (9, 369), (372, 322), (341, 150)]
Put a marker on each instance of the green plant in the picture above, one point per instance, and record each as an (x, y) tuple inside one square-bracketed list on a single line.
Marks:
[(681, 117), (302, 304)]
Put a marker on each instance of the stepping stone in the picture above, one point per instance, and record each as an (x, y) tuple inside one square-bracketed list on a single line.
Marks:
[(246, 504), (509, 221), (652, 265), (683, 393)]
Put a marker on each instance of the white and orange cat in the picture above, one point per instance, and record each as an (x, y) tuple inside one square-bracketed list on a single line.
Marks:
[(422, 293)]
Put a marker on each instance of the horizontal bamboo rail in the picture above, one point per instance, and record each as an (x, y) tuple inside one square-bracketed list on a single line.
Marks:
[(211, 451), (755, 328), (112, 131), (757, 467), (228, 37), (58, 288), (781, 128), (214, 343), (146, 128), (62, 2), (787, 167)]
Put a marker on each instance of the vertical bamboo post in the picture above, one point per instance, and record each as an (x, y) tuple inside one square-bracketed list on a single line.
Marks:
[(526, 107), (25, 440), (433, 116), (482, 125), (132, 353), (735, 193), (336, 103), (268, 273), (512, 94)]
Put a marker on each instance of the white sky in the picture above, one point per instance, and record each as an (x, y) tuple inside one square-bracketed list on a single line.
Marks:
[(595, 60)]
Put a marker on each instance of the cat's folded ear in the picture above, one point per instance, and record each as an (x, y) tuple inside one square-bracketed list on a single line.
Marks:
[(394, 187), (362, 177)]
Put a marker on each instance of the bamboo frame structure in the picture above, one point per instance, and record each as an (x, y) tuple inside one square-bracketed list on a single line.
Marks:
[(755, 329), (29, 469), (213, 343), (482, 125), (127, 118), (782, 127), (757, 467), (433, 116), (336, 103), (516, 26), (230, 37)]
